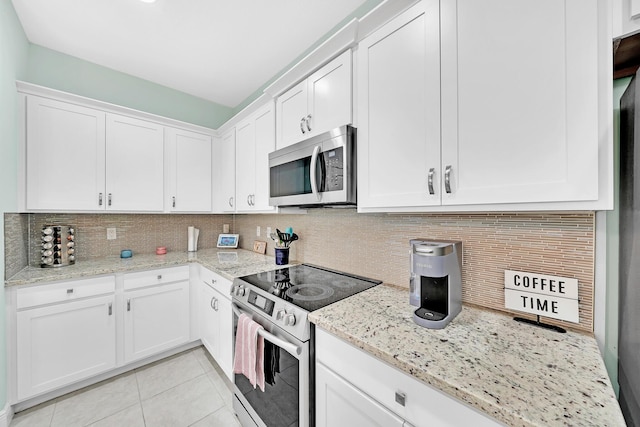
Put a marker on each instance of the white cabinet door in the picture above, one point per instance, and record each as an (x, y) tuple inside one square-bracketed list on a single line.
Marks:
[(340, 404), (329, 96), (209, 323), (189, 171), (265, 143), (65, 156), (245, 164), (135, 165), (216, 327), (224, 168), (291, 111), (62, 343), (626, 17), (255, 139), (519, 104), (321, 102), (155, 319), (399, 111)]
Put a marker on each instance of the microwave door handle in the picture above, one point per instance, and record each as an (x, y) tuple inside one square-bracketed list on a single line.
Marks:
[(312, 171), (291, 348)]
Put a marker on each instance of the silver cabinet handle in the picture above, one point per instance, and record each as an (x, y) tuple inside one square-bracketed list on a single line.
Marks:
[(307, 120), (110, 309), (109, 200), (231, 201), (302, 126), (174, 201), (447, 179), (249, 199), (213, 281), (212, 303), (215, 304), (432, 172), (100, 199), (70, 291), (128, 304), (401, 398), (253, 200), (159, 276)]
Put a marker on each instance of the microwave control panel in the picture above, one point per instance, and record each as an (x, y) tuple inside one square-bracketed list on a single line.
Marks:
[(334, 164)]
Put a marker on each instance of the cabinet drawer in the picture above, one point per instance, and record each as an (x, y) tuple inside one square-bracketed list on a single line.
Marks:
[(216, 281), (383, 383), (155, 277), (64, 291)]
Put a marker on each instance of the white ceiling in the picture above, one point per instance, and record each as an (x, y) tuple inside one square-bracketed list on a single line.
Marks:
[(219, 50)]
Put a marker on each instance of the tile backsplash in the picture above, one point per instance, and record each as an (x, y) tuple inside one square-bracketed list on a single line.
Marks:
[(372, 245)]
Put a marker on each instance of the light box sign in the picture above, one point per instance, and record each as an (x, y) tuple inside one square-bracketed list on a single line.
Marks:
[(548, 296)]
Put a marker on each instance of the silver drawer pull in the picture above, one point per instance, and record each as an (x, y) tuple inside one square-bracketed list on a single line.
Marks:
[(401, 398), (110, 309), (174, 201), (447, 179), (302, 125), (432, 172), (307, 120), (128, 304), (213, 281), (159, 276), (70, 291), (212, 303), (231, 201), (109, 199), (100, 199)]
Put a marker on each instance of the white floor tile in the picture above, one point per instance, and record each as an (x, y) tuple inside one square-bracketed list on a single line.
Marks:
[(168, 373), (129, 417), (96, 402), (38, 416), (203, 356), (223, 417), (182, 405)]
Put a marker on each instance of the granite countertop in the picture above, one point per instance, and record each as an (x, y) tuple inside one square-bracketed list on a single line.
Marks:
[(227, 263), (519, 374)]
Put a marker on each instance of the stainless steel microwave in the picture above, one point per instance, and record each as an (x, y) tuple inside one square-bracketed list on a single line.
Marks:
[(320, 171)]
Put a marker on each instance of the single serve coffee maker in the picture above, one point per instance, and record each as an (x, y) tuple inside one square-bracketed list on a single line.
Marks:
[(436, 281)]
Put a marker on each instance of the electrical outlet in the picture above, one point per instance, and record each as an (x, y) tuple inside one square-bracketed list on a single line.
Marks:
[(258, 231), (111, 233), (225, 228), (268, 232)]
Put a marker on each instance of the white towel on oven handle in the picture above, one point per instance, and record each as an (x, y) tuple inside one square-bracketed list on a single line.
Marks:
[(249, 351)]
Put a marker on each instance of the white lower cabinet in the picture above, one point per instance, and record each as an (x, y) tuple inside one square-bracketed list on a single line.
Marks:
[(355, 388), (65, 332), (341, 404), (156, 311), (216, 319)]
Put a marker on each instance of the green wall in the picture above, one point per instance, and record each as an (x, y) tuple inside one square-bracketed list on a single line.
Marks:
[(14, 49), (56, 70)]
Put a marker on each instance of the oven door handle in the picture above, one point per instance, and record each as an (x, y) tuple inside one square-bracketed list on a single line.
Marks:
[(291, 348)]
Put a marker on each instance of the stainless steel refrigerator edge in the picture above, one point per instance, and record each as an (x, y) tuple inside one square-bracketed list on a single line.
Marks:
[(629, 274)]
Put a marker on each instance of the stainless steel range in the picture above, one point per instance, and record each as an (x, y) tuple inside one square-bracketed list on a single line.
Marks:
[(281, 300)]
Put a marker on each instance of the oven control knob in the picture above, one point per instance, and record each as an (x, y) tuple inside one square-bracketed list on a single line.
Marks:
[(239, 291), (280, 314), (290, 319)]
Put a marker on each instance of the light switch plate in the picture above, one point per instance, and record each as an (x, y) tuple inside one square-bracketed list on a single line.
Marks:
[(111, 233)]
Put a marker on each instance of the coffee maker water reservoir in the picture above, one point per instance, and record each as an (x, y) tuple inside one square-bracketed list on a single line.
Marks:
[(436, 281)]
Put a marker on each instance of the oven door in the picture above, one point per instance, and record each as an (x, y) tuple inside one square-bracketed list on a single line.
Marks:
[(286, 402)]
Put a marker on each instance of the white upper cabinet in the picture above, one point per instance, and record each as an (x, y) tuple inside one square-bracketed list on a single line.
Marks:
[(135, 165), (468, 105), (626, 17), (74, 157), (319, 103), (519, 105), (399, 110), (255, 139), (189, 171), (224, 169), (65, 149)]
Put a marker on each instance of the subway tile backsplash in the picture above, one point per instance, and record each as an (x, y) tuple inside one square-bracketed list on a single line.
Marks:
[(373, 245)]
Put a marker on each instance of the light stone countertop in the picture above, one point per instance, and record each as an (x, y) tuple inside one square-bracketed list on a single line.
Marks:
[(227, 263), (519, 374)]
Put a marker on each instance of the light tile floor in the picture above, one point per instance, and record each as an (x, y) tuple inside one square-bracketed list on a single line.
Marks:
[(187, 389)]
